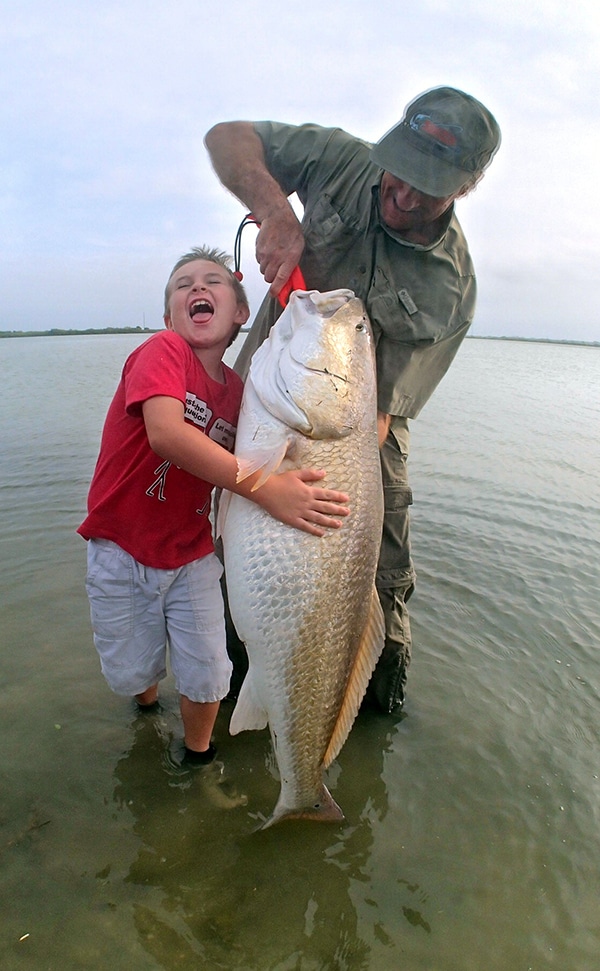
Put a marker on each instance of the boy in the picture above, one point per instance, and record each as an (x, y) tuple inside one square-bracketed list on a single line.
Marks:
[(167, 441)]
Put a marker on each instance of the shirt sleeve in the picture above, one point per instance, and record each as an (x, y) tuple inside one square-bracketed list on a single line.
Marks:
[(305, 158), (157, 367)]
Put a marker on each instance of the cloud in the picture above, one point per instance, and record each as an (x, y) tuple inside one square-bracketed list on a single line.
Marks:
[(104, 177)]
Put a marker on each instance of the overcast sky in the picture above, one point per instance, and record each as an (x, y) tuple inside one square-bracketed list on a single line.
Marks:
[(105, 180)]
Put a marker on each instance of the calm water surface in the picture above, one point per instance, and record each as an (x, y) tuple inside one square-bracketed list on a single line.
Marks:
[(472, 832)]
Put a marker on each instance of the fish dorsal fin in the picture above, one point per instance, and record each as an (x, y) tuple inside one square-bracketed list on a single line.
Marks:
[(368, 653)]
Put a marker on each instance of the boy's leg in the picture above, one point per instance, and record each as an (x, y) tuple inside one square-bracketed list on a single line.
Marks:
[(198, 722), (149, 697), (127, 620), (199, 661)]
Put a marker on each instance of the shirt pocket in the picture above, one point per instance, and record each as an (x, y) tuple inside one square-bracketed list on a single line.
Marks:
[(395, 312), (325, 230)]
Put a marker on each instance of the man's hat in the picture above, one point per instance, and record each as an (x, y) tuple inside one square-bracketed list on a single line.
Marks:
[(445, 138)]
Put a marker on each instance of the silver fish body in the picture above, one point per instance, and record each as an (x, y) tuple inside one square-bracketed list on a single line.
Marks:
[(306, 607)]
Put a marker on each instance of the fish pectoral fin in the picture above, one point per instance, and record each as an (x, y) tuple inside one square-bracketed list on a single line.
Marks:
[(249, 713), (268, 459), (368, 654)]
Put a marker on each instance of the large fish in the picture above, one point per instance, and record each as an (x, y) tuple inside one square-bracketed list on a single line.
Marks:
[(305, 606)]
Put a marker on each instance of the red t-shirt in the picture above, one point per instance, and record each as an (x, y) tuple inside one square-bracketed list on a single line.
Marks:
[(154, 510)]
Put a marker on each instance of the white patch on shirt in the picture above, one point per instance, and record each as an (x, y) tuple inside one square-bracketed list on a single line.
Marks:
[(223, 433), (196, 410)]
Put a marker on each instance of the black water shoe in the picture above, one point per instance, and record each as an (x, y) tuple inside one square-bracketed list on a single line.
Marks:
[(200, 758)]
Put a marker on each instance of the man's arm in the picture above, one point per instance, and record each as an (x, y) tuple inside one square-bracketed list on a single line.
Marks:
[(383, 426), (238, 158), (288, 497)]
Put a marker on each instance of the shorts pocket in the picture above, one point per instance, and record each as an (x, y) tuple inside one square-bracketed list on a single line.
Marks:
[(109, 585)]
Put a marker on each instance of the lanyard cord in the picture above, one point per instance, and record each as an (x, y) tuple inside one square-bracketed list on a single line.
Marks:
[(296, 280), (237, 246)]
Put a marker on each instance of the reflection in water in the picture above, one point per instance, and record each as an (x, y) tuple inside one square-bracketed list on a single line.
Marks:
[(471, 836), (234, 896)]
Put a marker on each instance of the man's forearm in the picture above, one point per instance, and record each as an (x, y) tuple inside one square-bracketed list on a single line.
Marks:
[(238, 158)]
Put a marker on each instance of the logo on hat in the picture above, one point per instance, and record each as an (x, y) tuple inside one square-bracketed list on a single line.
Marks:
[(445, 140), (445, 136)]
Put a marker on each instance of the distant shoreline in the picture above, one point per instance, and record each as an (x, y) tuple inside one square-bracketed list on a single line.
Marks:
[(533, 340), (57, 332)]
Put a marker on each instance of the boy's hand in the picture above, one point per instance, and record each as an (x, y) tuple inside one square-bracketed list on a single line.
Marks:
[(291, 499)]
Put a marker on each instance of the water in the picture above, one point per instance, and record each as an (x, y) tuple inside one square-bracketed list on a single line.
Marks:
[(471, 840)]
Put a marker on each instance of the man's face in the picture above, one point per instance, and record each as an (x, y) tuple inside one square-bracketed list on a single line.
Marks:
[(408, 211)]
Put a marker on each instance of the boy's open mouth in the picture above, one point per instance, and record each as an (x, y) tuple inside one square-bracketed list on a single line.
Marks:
[(201, 308)]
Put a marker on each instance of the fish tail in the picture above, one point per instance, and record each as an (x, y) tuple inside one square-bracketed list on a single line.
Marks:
[(324, 810)]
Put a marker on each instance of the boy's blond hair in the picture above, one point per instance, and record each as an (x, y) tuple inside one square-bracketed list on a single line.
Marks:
[(212, 255)]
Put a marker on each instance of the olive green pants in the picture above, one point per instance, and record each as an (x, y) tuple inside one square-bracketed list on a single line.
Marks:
[(395, 574)]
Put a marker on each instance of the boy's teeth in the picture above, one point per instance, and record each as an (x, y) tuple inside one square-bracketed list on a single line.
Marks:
[(201, 307)]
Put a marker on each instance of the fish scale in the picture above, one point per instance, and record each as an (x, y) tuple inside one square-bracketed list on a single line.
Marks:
[(306, 606)]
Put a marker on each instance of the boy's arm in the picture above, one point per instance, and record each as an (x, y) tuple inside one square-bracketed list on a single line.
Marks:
[(288, 497)]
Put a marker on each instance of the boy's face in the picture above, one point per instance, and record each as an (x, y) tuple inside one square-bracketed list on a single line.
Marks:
[(203, 307)]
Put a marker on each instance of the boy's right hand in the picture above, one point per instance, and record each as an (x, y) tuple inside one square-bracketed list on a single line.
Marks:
[(292, 500)]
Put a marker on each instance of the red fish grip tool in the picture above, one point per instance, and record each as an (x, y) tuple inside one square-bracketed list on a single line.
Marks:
[(295, 282), (296, 279)]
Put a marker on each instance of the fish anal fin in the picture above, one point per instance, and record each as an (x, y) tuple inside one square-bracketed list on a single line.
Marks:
[(249, 714), (368, 653)]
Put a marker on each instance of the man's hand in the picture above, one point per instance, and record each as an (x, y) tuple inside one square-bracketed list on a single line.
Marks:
[(279, 246), (383, 426)]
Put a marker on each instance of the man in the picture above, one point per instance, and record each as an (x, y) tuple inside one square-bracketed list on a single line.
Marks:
[(378, 220)]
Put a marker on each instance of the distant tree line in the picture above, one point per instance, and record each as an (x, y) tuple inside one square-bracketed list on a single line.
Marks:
[(59, 332)]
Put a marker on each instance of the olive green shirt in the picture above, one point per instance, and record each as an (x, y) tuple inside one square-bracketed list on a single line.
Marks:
[(420, 299)]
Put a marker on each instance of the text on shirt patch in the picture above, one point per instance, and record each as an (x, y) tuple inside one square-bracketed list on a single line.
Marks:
[(196, 410), (223, 433)]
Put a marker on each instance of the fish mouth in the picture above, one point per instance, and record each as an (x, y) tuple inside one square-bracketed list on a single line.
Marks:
[(202, 308)]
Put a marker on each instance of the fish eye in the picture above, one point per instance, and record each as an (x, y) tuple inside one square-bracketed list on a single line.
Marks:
[(360, 327)]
